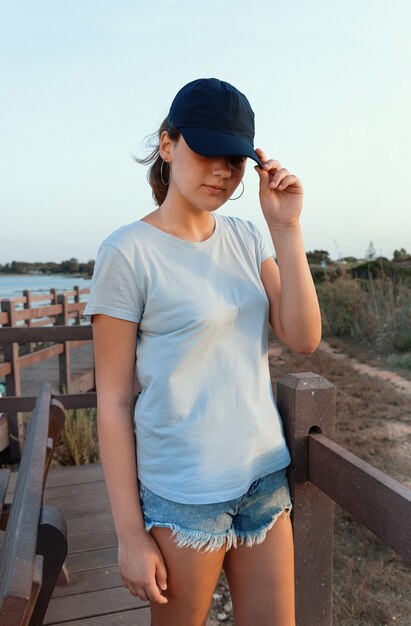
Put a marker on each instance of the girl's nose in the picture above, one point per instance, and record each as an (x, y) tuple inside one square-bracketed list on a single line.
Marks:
[(222, 166)]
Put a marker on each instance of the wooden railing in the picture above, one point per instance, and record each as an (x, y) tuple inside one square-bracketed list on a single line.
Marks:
[(322, 472), (22, 313)]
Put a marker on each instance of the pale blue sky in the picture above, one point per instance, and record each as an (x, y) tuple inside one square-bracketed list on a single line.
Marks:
[(83, 82)]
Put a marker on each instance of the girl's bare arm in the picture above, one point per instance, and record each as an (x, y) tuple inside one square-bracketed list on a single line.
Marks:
[(141, 564)]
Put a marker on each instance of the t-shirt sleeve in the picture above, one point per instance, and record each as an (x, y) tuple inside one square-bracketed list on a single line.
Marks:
[(116, 289), (265, 250)]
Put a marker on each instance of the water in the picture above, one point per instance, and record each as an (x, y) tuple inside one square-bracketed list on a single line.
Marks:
[(12, 286)]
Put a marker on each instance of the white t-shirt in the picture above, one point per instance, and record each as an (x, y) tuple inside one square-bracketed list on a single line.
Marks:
[(206, 422)]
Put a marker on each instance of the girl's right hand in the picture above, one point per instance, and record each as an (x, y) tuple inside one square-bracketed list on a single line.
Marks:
[(142, 568)]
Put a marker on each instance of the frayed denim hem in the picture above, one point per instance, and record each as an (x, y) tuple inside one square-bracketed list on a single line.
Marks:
[(258, 536), (197, 539), (205, 542)]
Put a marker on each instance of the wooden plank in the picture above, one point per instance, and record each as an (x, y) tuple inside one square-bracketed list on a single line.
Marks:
[(70, 475), (74, 474), (5, 369), (93, 541), (134, 617), (4, 432), (41, 297), (84, 400), (43, 311), (40, 355), (4, 481), (90, 604), (79, 500), (75, 307), (79, 344), (82, 582), (79, 489), (20, 539), (46, 322), (80, 525), (94, 559), (24, 334), (376, 500), (72, 511)]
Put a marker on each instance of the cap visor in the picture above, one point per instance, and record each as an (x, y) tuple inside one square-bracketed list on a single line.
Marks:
[(210, 143)]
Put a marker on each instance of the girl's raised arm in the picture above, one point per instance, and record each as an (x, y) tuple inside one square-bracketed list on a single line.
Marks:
[(294, 310)]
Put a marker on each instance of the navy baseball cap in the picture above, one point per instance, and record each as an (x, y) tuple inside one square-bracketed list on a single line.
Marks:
[(214, 118)]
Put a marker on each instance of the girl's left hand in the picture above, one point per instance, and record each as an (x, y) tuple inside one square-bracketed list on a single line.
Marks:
[(281, 193)]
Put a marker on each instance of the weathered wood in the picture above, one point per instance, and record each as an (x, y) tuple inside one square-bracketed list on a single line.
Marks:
[(43, 311), (40, 355), (86, 605), (133, 617), (94, 559), (13, 384), (71, 475), (49, 333), (4, 432), (64, 358), (5, 369), (4, 481), (35, 540), (81, 306), (93, 541), (45, 322), (82, 582), (17, 555), (306, 401), (27, 305), (374, 499), (71, 401)]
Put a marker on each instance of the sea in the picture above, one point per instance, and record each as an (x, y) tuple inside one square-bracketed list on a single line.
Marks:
[(13, 285)]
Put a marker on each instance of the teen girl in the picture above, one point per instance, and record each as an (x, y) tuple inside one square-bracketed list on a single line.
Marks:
[(190, 292)]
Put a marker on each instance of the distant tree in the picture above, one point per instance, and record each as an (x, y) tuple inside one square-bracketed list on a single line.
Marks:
[(87, 268), (70, 267), (371, 252), (349, 259), (316, 256), (400, 255), (19, 267)]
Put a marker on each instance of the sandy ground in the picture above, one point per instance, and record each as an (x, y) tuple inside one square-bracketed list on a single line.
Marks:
[(371, 582)]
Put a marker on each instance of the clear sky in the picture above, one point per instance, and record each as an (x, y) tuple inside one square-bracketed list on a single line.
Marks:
[(83, 82)]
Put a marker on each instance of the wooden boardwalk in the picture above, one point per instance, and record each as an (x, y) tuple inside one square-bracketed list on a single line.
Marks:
[(94, 596), (81, 370)]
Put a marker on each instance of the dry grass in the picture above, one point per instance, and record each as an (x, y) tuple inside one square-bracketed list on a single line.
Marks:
[(79, 443), (375, 312)]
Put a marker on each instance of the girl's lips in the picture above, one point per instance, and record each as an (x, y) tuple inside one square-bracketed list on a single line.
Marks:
[(214, 190)]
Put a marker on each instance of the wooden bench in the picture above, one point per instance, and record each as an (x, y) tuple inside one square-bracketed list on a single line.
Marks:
[(34, 541)]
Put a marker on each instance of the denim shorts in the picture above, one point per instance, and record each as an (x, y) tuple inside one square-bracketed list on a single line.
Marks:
[(243, 520)]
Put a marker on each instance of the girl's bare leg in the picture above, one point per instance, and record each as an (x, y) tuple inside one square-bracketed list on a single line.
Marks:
[(261, 579), (191, 579)]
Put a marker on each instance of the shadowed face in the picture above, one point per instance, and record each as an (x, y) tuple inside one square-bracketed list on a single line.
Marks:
[(205, 183)]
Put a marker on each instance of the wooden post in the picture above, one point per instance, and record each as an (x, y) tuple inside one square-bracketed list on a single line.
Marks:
[(13, 385), (77, 299), (306, 402), (64, 358), (27, 305)]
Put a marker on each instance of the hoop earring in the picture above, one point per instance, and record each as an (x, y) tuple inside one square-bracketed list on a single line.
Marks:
[(162, 174), (240, 193)]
